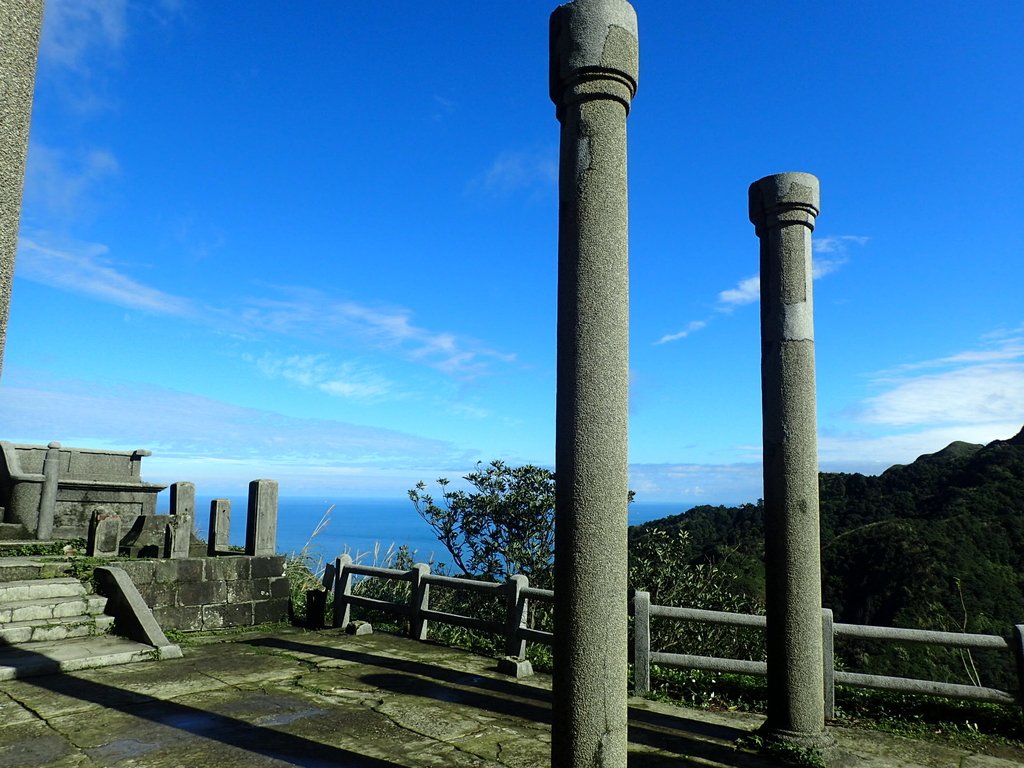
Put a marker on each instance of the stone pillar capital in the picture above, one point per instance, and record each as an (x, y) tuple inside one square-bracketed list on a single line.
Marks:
[(784, 198), (594, 53)]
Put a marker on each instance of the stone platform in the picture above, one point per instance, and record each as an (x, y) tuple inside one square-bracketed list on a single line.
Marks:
[(296, 698)]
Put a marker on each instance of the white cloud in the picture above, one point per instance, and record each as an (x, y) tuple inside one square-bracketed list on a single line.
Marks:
[(691, 327), (75, 30), (747, 291), (308, 313), (970, 395), (63, 185), (871, 454), (514, 170), (184, 426), (84, 268), (697, 483), (344, 380)]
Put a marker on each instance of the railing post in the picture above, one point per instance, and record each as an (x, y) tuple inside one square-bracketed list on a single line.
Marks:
[(1018, 652), (828, 657), (641, 643), (419, 601), (515, 616), (48, 495), (342, 590)]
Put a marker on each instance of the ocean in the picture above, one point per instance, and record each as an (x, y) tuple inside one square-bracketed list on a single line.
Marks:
[(366, 528)]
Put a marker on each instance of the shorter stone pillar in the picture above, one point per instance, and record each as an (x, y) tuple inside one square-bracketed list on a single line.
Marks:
[(783, 209), (183, 506), (218, 538), (48, 497), (261, 520), (104, 534)]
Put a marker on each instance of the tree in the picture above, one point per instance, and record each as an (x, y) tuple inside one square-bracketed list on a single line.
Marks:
[(505, 526)]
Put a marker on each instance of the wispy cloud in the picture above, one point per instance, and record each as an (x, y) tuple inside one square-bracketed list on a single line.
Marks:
[(517, 170), (176, 424), (748, 290), (974, 386), (344, 380), (61, 183), (976, 395), (86, 269), (697, 483), (696, 325), (310, 313), (76, 30)]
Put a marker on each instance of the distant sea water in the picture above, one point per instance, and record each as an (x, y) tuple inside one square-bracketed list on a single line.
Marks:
[(365, 526)]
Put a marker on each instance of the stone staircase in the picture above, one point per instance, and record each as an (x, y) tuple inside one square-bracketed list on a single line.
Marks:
[(51, 622)]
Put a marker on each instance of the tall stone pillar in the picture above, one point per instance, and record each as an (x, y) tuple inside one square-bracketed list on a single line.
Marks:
[(783, 208), (593, 70), (20, 25)]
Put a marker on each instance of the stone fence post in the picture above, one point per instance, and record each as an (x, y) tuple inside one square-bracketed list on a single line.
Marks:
[(342, 591), (261, 520), (419, 601), (517, 611), (183, 507), (219, 534), (593, 78), (783, 209), (48, 495), (641, 643)]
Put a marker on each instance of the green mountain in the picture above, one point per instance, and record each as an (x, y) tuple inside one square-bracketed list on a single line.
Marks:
[(935, 544)]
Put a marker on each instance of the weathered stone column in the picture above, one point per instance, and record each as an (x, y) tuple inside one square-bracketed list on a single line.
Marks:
[(219, 534), (20, 24), (48, 495), (593, 77), (783, 208), (183, 510), (261, 521)]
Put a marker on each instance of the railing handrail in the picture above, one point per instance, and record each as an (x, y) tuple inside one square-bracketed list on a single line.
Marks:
[(518, 593), (644, 655)]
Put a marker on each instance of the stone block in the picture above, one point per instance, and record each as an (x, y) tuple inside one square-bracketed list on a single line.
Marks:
[(264, 611), (157, 594), (240, 591), (280, 588), (359, 628), (190, 569), (104, 533), (266, 567), (184, 619), (237, 615), (141, 571), (514, 667), (227, 567), (202, 592)]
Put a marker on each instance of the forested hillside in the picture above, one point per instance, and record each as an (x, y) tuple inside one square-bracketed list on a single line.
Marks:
[(938, 543)]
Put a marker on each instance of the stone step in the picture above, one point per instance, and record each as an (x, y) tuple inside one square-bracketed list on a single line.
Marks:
[(18, 632), (44, 658), (26, 568), (40, 589), (43, 610), (14, 532)]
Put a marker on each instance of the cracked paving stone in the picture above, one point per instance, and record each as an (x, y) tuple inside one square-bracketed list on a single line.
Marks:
[(34, 745)]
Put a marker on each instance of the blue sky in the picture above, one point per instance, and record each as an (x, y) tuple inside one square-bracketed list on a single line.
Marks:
[(317, 241)]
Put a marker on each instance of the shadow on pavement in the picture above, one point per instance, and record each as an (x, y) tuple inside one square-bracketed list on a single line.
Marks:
[(291, 749), (686, 738)]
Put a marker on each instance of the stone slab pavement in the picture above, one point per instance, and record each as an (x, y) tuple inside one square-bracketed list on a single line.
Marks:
[(312, 699)]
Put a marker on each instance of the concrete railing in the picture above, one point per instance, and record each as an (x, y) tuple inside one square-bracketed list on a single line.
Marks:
[(512, 627), (644, 656)]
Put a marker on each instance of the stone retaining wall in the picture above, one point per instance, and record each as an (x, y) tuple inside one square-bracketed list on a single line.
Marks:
[(202, 593)]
